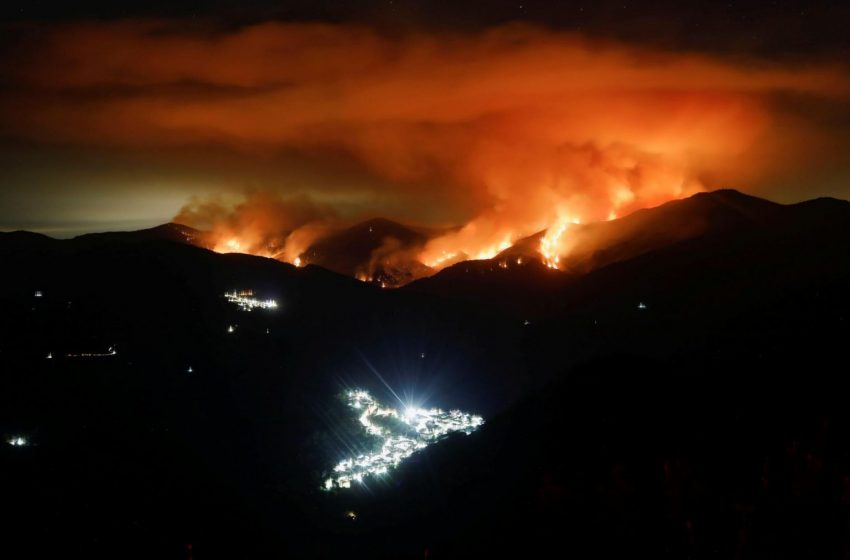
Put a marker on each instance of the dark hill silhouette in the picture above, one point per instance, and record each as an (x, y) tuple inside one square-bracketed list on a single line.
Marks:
[(754, 238), (362, 250), (178, 233), (600, 243), (522, 286), (26, 243), (603, 243)]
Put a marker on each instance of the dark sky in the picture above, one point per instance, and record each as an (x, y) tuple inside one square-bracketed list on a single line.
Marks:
[(772, 28), (507, 115)]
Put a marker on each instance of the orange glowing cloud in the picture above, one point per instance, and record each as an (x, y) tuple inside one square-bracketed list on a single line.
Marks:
[(261, 223), (522, 128)]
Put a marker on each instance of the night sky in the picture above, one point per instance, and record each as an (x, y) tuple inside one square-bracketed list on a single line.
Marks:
[(506, 115)]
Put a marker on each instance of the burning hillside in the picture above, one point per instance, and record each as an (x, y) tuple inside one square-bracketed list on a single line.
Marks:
[(391, 254), (539, 131)]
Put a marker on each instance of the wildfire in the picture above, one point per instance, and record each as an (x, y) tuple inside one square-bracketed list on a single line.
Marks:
[(442, 260), (380, 123), (548, 130), (480, 239), (493, 250), (230, 242), (232, 245), (438, 258), (550, 245)]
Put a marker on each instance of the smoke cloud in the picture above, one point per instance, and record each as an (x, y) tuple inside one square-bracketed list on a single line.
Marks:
[(262, 223), (516, 129)]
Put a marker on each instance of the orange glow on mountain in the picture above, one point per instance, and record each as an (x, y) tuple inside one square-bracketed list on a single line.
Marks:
[(489, 137)]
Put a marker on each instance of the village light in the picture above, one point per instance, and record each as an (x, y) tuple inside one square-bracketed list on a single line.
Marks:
[(422, 427), (246, 302)]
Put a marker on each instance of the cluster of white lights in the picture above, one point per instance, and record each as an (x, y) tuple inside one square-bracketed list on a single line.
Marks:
[(423, 426), (17, 441), (248, 303)]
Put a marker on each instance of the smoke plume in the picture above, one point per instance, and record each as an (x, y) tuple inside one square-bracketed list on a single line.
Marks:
[(508, 131)]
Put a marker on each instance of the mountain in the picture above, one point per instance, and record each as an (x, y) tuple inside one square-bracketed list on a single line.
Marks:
[(522, 286), (683, 397), (166, 232), (379, 250), (599, 243), (707, 213), (724, 224)]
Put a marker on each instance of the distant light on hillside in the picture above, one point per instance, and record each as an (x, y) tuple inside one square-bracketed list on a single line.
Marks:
[(17, 441), (111, 351)]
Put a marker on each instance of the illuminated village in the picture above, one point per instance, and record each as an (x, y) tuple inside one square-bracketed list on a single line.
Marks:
[(246, 301), (405, 433)]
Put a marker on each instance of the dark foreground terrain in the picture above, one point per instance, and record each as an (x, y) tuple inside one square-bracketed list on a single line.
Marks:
[(676, 396)]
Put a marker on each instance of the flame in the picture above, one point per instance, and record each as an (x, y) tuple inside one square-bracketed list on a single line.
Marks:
[(493, 250), (445, 258), (551, 247)]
